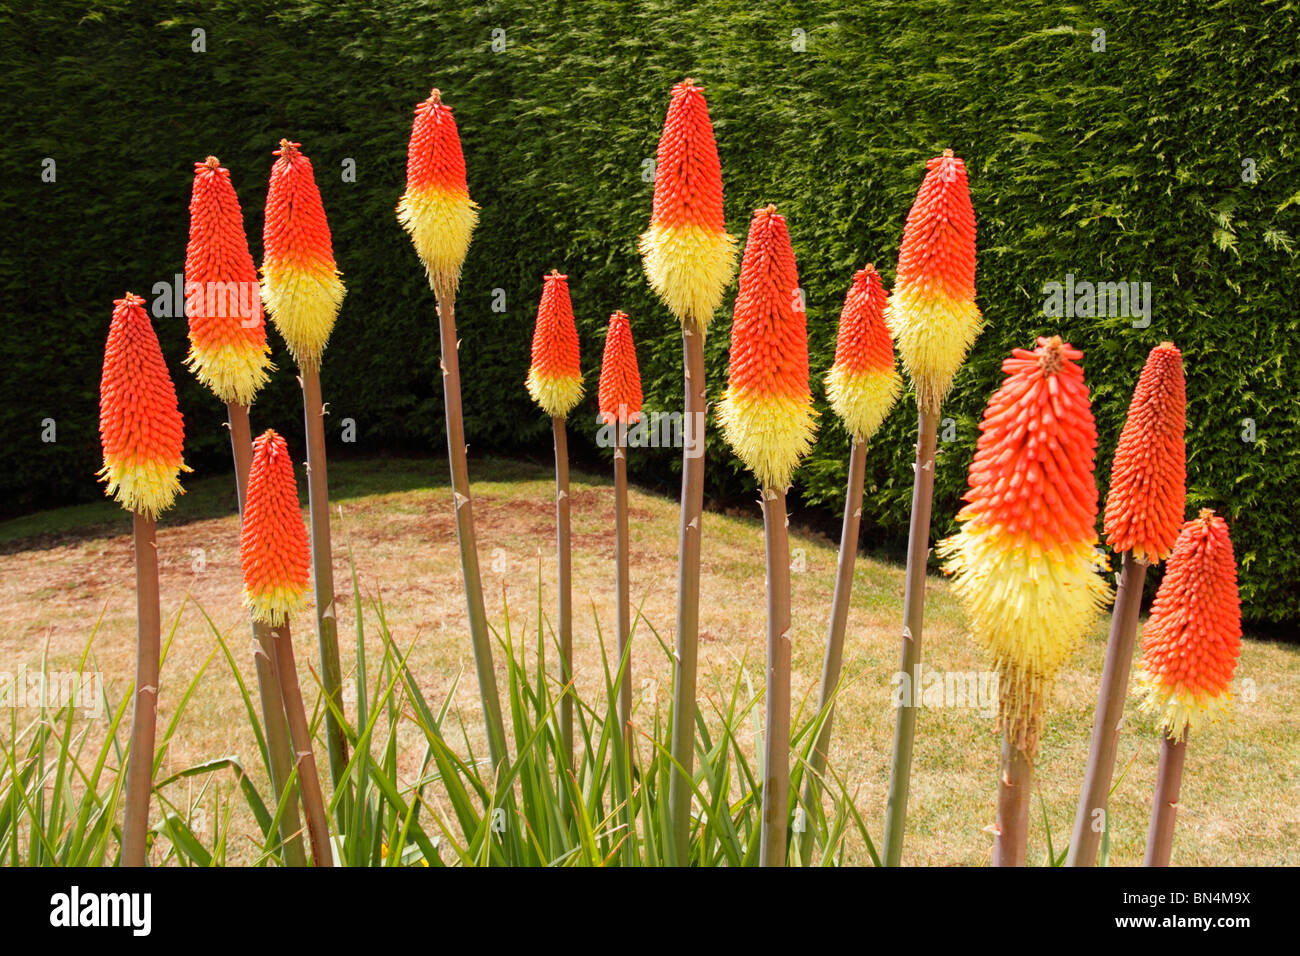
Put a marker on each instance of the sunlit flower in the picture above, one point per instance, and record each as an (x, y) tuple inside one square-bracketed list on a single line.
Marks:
[(274, 554), (555, 375), (619, 394), (863, 384)]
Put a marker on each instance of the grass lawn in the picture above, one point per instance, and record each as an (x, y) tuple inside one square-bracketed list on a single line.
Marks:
[(63, 568)]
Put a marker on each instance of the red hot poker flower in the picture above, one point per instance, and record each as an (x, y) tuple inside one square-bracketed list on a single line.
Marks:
[(619, 394), (555, 376), (274, 553), (863, 383)]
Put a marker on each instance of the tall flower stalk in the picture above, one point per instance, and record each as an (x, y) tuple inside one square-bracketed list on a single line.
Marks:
[(303, 291), (767, 418), (862, 386), (1190, 648), (440, 217), (275, 560), (555, 384), (1024, 563), (934, 321), (619, 401), (689, 259), (143, 436), (1144, 511), (229, 354)]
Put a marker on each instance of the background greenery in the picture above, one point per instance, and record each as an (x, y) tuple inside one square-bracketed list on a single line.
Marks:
[(1118, 165)]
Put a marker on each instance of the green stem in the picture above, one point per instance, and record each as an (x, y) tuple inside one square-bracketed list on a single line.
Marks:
[(1015, 785), (564, 575), (1164, 803), (144, 715), (918, 552), (776, 753), (313, 800), (623, 587)]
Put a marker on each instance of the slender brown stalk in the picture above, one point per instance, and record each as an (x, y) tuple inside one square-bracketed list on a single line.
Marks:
[(918, 552), (144, 715), (322, 566), (833, 661), (445, 292), (268, 683), (1164, 803), (1090, 817), (623, 585), (680, 782), (776, 753), (564, 576), (1014, 788), (308, 777)]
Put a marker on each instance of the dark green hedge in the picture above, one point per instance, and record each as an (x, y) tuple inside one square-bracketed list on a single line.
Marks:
[(1118, 165)]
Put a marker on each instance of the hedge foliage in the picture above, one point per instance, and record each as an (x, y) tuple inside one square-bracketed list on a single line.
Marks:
[(1128, 163)]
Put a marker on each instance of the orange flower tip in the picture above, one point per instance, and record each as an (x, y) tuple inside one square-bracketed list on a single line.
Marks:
[(211, 163), (435, 96), (288, 149)]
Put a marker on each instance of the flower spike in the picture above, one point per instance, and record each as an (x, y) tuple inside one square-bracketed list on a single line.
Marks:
[(555, 376), (863, 383), (273, 551), (619, 394)]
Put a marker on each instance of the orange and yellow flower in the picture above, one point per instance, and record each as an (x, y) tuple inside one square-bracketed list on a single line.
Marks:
[(863, 384), (766, 413), (1193, 638), (436, 209), (140, 425), (1024, 563), (687, 253), (223, 302), (1148, 480), (274, 554), (932, 311), (619, 394), (300, 282), (555, 375)]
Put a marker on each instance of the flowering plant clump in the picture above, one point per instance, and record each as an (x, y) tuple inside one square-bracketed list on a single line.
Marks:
[(436, 209), (140, 425), (300, 282), (863, 384), (618, 396), (932, 311), (1148, 483), (688, 255), (1024, 563), (228, 349), (555, 375), (766, 413), (274, 555), (1193, 638)]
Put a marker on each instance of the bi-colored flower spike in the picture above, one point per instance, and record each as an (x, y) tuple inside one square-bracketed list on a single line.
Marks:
[(863, 383), (766, 413), (619, 394), (300, 282), (140, 425), (932, 311), (273, 551), (1148, 483), (1193, 637), (555, 376), (1024, 562), (228, 350), (688, 255), (436, 209)]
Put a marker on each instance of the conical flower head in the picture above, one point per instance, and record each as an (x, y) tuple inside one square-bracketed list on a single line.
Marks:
[(1024, 563), (140, 425), (863, 383), (436, 209), (932, 309), (1193, 636), (300, 283), (555, 375), (766, 413), (228, 350), (1148, 481), (687, 253), (274, 554), (619, 394)]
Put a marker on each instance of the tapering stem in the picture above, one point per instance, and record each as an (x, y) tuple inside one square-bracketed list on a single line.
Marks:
[(1090, 817), (308, 777), (623, 585), (268, 683), (445, 293), (688, 595), (1015, 784), (144, 714), (776, 752), (833, 661), (918, 553), (322, 566), (1164, 803), (564, 583)]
